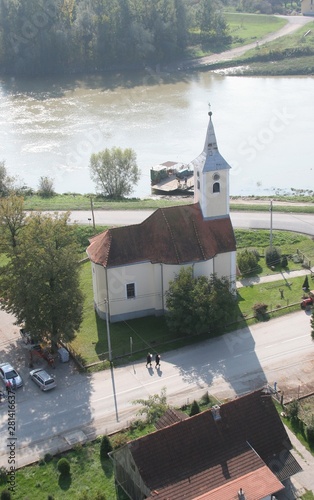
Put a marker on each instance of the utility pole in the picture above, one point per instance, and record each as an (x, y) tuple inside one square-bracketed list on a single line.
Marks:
[(92, 209), (271, 225), (108, 331)]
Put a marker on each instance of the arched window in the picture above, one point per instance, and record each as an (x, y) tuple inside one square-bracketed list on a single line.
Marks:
[(216, 187)]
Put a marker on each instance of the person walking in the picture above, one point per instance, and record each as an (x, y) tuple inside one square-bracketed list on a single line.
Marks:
[(149, 360), (157, 360)]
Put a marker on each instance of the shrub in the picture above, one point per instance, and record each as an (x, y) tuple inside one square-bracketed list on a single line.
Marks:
[(260, 310), (105, 447), (48, 457), (284, 261), (3, 475), (205, 399), (5, 495), (272, 256), (63, 466), (195, 409), (306, 283), (45, 188), (247, 261), (119, 440), (309, 433), (293, 409)]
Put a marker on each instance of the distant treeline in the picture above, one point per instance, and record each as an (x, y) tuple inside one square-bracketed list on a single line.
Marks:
[(42, 37)]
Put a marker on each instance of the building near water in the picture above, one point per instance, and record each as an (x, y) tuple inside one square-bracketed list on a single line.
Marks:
[(133, 265)]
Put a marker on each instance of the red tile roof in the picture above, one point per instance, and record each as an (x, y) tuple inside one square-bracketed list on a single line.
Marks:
[(174, 235), (255, 485), (197, 455)]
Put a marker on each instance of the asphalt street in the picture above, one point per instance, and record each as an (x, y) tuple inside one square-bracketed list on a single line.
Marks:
[(302, 223), (84, 406)]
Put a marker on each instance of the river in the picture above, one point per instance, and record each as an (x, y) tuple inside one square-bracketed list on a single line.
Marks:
[(264, 126)]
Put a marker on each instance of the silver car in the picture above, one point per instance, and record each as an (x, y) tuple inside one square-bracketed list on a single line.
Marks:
[(10, 376), (43, 379)]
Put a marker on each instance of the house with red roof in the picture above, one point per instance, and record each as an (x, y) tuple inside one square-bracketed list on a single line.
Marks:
[(238, 451), (133, 265)]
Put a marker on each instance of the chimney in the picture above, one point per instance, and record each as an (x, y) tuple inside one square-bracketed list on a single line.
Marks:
[(216, 414), (241, 495)]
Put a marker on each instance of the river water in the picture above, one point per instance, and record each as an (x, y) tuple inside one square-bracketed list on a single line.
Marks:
[(264, 127)]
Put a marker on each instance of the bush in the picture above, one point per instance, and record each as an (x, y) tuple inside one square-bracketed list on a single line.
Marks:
[(260, 310), (205, 399), (46, 189), (63, 466), (195, 409), (309, 433), (5, 495), (272, 256), (48, 457), (284, 261), (247, 261), (105, 447), (293, 409), (3, 475)]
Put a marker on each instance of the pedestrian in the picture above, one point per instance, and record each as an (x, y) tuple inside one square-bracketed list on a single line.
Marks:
[(8, 386), (149, 360), (157, 359)]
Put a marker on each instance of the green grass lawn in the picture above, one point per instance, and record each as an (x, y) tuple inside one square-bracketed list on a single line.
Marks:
[(247, 28)]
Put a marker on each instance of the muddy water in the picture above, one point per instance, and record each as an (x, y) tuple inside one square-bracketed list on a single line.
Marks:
[(264, 126)]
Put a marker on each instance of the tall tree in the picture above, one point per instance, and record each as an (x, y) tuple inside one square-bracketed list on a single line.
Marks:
[(12, 219), (115, 171), (6, 182), (40, 283), (199, 305)]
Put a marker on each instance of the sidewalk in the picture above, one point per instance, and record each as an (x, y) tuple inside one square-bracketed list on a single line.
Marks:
[(285, 275)]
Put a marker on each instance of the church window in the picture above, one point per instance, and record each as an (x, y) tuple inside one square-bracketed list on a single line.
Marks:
[(216, 187), (130, 290), (198, 185)]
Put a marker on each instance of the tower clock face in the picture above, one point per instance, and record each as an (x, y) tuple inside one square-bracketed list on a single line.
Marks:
[(216, 177)]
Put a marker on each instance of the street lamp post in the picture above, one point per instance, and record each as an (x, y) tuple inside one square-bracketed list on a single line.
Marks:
[(108, 331), (271, 226)]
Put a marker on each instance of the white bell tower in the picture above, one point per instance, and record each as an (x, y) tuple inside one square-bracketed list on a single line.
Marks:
[(211, 178)]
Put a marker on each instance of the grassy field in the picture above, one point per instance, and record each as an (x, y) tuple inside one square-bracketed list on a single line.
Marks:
[(244, 29), (293, 54), (152, 332), (72, 202)]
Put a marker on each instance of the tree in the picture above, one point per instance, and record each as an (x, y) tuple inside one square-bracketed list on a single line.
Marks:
[(63, 466), (195, 409), (105, 447), (153, 407), (12, 219), (247, 261), (272, 256), (115, 171), (40, 283), (45, 188), (6, 182), (198, 305), (305, 285)]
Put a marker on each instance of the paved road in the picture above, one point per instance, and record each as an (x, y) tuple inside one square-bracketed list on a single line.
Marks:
[(85, 406), (303, 223)]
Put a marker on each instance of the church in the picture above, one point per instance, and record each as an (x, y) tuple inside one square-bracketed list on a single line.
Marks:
[(133, 265)]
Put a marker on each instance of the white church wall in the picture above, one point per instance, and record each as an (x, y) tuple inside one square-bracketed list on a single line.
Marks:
[(99, 289)]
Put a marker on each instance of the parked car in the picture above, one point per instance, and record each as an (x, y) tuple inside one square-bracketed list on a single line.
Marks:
[(43, 379), (9, 375), (309, 301)]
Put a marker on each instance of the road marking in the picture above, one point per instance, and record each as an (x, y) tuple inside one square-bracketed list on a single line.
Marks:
[(285, 341)]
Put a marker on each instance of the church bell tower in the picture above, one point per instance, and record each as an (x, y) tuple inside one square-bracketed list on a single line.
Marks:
[(211, 178)]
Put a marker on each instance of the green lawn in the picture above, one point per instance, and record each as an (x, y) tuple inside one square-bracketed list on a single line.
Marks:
[(247, 28)]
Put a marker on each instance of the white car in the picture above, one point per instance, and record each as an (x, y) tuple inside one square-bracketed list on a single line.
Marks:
[(8, 374), (43, 379)]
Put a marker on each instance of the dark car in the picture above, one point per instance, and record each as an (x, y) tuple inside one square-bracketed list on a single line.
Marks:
[(43, 379)]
